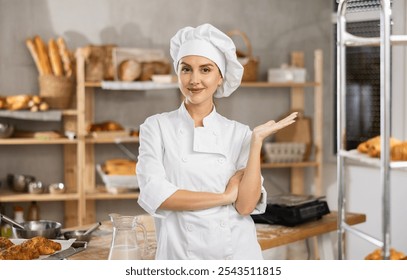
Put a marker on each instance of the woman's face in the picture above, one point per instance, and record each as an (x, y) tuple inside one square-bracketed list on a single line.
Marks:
[(198, 79)]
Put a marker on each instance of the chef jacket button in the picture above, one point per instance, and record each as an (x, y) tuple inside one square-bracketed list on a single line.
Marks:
[(190, 227), (222, 223), (221, 160), (214, 133), (228, 257), (181, 131), (184, 159)]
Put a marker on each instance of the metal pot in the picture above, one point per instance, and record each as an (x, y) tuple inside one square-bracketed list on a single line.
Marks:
[(19, 183), (45, 228)]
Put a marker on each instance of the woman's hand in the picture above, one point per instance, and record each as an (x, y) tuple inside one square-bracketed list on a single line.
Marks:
[(232, 188), (262, 131)]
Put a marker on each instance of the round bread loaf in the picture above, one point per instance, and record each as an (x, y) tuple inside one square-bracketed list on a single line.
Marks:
[(129, 70)]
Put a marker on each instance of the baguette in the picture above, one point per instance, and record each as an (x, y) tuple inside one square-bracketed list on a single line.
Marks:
[(42, 55), (31, 47), (55, 58), (66, 58)]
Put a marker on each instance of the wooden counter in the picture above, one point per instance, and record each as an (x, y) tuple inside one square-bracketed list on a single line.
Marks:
[(269, 236)]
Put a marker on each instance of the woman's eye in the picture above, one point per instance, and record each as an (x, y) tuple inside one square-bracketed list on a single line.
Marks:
[(185, 69), (206, 70)]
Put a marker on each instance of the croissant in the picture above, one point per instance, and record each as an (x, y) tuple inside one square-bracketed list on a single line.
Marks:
[(364, 146), (374, 148), (399, 152)]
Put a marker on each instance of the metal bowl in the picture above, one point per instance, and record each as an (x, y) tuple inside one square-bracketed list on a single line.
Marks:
[(45, 228), (19, 183), (57, 188), (78, 235), (36, 187), (6, 130)]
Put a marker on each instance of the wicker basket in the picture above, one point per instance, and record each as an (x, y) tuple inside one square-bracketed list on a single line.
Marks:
[(56, 91), (284, 152), (249, 62)]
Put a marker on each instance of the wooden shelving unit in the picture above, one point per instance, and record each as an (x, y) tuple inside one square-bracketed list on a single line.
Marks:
[(79, 164), (86, 92)]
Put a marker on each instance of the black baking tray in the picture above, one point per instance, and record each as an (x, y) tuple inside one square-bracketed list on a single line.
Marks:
[(291, 210)]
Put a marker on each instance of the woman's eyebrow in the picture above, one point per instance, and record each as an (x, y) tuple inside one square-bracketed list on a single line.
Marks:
[(203, 65)]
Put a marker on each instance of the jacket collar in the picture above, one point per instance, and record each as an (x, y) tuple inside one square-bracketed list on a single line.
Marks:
[(206, 139)]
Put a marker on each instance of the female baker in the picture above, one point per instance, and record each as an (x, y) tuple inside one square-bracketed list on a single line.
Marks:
[(199, 173)]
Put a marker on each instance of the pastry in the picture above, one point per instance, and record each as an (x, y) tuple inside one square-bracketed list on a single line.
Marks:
[(377, 255), (374, 147), (399, 152)]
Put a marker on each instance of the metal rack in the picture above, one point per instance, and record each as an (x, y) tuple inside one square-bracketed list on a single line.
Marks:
[(345, 40)]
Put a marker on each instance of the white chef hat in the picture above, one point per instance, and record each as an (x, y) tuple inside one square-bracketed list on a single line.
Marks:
[(208, 41)]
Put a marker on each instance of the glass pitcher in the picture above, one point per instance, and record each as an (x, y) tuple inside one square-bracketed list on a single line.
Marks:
[(125, 244)]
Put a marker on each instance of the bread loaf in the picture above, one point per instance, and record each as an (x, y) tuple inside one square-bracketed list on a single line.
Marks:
[(41, 49), (31, 47), (105, 126), (65, 57), (129, 70), (119, 167), (55, 58)]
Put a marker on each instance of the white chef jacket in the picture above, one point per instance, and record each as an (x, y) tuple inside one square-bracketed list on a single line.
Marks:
[(174, 154)]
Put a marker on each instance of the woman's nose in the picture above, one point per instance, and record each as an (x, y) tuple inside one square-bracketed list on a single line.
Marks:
[(194, 79)]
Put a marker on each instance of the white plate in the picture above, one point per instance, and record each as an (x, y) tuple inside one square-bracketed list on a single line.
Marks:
[(65, 244)]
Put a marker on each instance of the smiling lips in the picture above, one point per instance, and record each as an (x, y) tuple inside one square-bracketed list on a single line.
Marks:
[(195, 90)]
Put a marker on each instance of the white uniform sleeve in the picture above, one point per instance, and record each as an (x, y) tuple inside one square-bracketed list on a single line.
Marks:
[(151, 175), (242, 162)]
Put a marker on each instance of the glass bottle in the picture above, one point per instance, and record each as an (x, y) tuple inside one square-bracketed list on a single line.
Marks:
[(33, 212), (19, 214)]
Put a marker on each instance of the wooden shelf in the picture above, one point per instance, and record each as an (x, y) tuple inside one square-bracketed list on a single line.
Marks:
[(130, 139), (32, 141), (23, 197), (279, 85), (99, 195), (289, 164)]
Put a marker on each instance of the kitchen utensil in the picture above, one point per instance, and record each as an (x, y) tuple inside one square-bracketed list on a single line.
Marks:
[(57, 188), (45, 228), (6, 130), (19, 183), (78, 235), (10, 221), (92, 229), (124, 244), (82, 235), (76, 247), (35, 187)]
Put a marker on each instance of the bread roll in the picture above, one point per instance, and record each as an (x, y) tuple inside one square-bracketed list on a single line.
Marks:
[(41, 49), (55, 58), (31, 47)]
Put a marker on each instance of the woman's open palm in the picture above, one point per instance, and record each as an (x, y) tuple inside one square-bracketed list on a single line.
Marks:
[(270, 127)]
